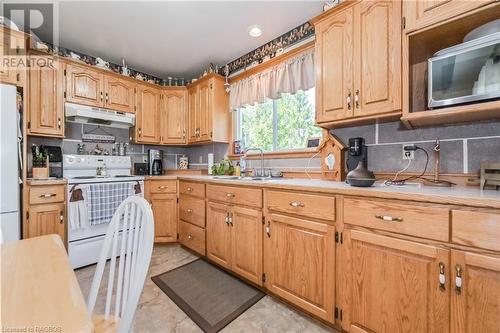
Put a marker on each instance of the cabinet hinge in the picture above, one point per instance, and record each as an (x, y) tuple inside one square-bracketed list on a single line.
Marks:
[(29, 124), (263, 277), (64, 94), (27, 215), (18, 77), (64, 72), (177, 200), (135, 108), (263, 220), (338, 313), (403, 22), (177, 236), (211, 87), (338, 237)]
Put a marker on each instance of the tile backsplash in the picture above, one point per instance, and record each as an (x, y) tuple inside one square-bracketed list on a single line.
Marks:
[(463, 147)]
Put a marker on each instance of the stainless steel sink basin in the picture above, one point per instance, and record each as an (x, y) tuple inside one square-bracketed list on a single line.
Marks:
[(248, 178)]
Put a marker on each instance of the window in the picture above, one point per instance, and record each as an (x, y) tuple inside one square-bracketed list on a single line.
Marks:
[(281, 124)]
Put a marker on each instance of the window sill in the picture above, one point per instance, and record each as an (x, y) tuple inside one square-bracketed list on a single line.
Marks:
[(282, 154)]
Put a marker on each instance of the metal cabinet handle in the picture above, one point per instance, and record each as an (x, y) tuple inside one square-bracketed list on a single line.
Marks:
[(230, 219), (442, 277), (458, 279), (48, 195), (268, 229), (59, 123), (349, 100), (189, 210), (230, 195), (388, 218), (356, 99), (296, 204), (61, 217), (107, 98), (190, 237), (227, 218), (162, 187), (140, 132), (189, 189), (101, 96)]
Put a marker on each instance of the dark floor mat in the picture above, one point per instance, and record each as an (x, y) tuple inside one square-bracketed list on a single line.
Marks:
[(211, 297)]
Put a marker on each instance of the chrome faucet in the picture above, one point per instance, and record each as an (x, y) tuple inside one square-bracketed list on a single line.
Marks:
[(261, 159)]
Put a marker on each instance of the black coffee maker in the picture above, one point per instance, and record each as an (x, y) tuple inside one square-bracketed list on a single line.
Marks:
[(155, 165), (356, 152)]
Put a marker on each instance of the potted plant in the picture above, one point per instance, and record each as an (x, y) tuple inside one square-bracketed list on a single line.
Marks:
[(224, 167), (40, 162)]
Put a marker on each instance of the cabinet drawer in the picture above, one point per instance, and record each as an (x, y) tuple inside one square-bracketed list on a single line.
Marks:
[(194, 189), (478, 229), (399, 217), (310, 205), (236, 195), (46, 194), (192, 237), (192, 210), (163, 186)]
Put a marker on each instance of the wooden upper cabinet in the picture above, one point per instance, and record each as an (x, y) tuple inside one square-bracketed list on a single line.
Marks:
[(475, 305), (84, 86), (193, 114), (147, 121), (394, 285), (12, 62), (299, 263), (218, 234), (334, 54), (173, 117), (205, 93), (46, 102), (246, 225), (422, 13), (119, 94), (208, 105), (358, 62), (377, 57)]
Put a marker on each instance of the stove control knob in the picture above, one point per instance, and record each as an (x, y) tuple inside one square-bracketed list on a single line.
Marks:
[(70, 159)]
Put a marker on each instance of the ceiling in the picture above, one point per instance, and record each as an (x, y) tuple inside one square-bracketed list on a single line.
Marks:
[(175, 38)]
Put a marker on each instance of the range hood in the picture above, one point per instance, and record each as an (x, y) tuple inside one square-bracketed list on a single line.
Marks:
[(96, 116)]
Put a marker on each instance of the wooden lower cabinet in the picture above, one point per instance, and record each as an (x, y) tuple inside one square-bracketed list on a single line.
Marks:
[(234, 239), (45, 219), (475, 305), (299, 263), (393, 285), (164, 208)]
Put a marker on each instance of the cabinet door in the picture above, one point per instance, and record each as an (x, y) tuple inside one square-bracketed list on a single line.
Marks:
[(84, 86), (194, 114), (422, 13), (475, 306), (299, 263), (164, 208), (147, 120), (246, 228), (173, 119), (119, 94), (46, 101), (206, 109), (377, 57), (334, 41), (12, 62), (46, 219), (218, 234), (394, 285)]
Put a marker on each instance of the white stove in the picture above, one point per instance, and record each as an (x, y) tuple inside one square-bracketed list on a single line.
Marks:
[(85, 240), (83, 169)]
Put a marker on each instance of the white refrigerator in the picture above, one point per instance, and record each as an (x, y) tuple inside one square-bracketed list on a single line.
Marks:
[(10, 224)]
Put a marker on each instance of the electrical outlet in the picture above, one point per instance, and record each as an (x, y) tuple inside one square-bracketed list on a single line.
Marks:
[(408, 154), (144, 159)]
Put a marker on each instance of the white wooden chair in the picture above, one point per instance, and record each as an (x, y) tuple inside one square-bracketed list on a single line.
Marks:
[(134, 247)]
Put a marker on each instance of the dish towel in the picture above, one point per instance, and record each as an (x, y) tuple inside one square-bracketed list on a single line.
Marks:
[(77, 209), (104, 198)]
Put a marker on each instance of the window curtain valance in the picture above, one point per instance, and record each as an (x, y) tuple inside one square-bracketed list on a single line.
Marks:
[(289, 76)]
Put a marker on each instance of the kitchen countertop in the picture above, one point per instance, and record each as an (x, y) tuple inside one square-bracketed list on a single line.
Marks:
[(456, 195), (46, 181)]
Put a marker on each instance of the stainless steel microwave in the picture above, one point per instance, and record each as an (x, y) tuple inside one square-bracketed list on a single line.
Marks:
[(465, 73)]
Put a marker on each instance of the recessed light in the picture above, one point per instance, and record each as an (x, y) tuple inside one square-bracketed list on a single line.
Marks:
[(254, 31)]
